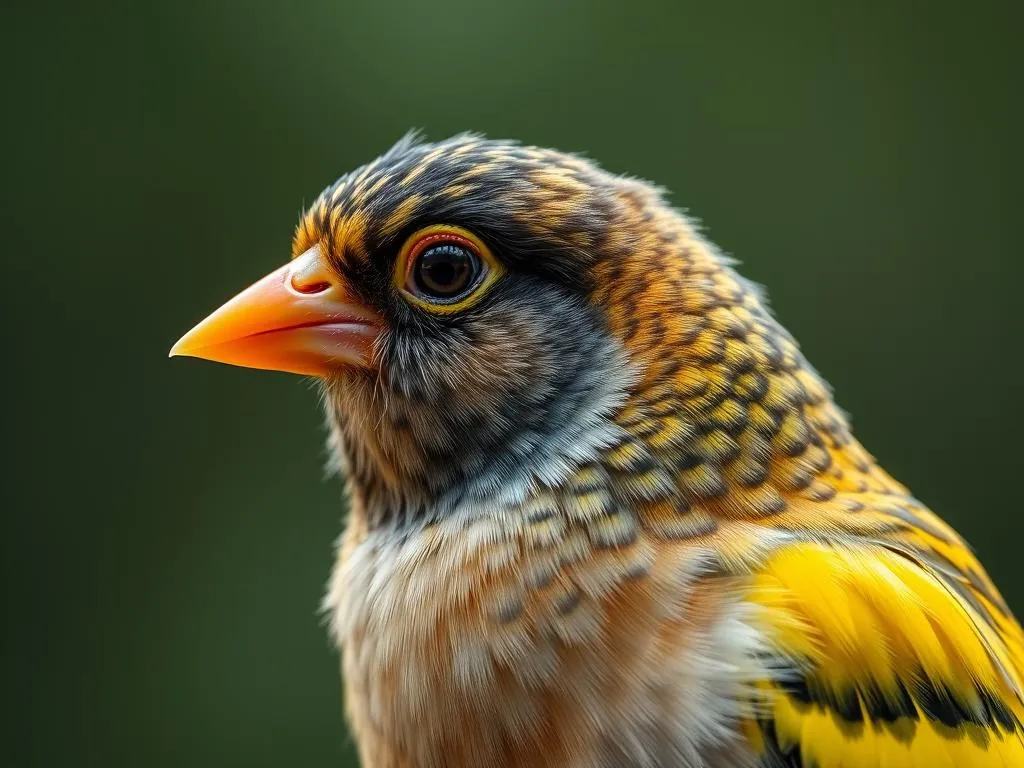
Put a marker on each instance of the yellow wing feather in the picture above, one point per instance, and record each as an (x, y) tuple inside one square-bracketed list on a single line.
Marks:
[(880, 663)]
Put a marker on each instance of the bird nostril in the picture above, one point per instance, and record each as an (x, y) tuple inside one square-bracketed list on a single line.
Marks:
[(310, 289)]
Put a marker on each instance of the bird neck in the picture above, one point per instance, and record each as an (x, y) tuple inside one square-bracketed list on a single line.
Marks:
[(725, 403), (411, 462)]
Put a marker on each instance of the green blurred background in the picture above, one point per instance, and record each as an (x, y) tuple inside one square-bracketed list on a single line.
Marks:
[(167, 526)]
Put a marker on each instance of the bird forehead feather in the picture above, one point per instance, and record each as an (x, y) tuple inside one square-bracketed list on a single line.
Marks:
[(543, 196)]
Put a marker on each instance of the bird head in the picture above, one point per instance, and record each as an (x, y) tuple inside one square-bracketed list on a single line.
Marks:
[(484, 316)]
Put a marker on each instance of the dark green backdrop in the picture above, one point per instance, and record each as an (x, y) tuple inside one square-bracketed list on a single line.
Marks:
[(167, 527)]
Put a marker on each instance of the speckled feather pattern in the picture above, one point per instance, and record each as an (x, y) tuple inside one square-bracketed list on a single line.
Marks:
[(611, 516)]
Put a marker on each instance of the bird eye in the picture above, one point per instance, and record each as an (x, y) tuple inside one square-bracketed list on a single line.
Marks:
[(445, 268), (444, 271)]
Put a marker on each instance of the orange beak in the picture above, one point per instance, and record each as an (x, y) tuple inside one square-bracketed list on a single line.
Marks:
[(301, 318)]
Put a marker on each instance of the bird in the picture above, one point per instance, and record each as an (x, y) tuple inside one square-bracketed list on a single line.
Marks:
[(601, 509)]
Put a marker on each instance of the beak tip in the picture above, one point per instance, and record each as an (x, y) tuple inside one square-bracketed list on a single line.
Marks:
[(179, 348)]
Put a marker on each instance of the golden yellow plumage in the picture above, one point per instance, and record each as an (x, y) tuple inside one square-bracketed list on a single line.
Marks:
[(603, 511), (888, 664)]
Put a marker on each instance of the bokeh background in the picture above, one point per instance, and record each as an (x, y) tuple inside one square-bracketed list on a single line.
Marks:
[(167, 524)]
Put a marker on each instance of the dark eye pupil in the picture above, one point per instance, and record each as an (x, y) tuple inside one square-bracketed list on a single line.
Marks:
[(446, 270)]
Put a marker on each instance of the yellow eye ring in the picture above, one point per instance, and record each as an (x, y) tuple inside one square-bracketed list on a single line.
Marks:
[(445, 269)]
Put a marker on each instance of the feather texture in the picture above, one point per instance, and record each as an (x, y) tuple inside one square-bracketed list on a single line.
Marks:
[(612, 516), (882, 663)]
